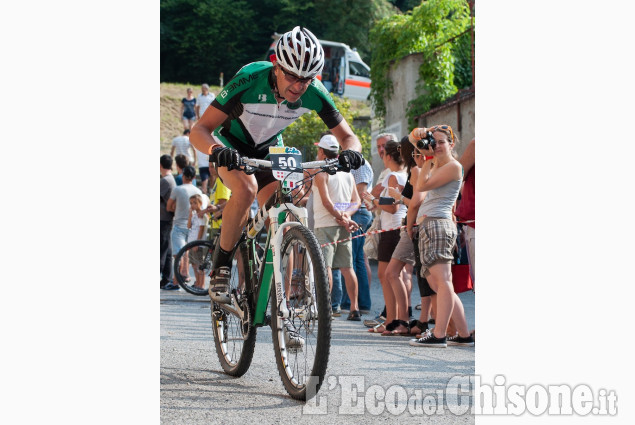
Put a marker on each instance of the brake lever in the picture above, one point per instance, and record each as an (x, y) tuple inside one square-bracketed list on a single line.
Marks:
[(331, 170)]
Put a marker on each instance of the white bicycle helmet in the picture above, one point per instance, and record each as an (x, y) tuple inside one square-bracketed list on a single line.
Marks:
[(299, 51)]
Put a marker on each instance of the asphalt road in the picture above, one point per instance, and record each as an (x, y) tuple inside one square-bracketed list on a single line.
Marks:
[(194, 388)]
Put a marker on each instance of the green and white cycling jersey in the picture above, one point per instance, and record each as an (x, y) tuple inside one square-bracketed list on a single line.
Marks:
[(255, 118)]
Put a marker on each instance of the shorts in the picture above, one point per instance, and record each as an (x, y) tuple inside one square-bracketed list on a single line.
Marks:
[(422, 282), (263, 177), (437, 237), (387, 243), (336, 256), (179, 238), (192, 118), (204, 173), (404, 251)]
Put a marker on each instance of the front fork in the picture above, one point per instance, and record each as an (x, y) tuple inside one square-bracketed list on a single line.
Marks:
[(273, 264)]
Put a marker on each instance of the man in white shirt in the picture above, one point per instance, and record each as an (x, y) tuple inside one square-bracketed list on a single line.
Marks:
[(181, 146), (179, 204), (203, 100), (335, 199)]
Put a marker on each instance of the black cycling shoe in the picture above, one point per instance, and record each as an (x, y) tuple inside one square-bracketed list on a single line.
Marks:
[(219, 285)]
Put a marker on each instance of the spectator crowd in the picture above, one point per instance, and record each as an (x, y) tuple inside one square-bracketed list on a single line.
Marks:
[(422, 203)]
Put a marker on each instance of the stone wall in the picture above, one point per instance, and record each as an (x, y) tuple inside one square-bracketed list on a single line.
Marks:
[(458, 112)]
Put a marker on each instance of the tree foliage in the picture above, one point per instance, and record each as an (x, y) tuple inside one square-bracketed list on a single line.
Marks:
[(307, 129), (434, 29), (202, 38)]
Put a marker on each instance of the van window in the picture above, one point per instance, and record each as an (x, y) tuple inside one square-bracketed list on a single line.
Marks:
[(358, 70)]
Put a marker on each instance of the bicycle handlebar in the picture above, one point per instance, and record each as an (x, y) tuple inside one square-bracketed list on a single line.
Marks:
[(328, 165)]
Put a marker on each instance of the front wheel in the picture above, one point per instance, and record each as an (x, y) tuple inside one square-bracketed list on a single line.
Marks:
[(232, 324), (303, 341)]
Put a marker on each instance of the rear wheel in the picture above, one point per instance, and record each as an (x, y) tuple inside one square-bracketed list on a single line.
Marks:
[(194, 258), (302, 362), (234, 333)]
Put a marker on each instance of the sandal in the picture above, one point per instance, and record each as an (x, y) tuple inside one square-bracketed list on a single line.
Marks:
[(390, 329), (376, 330), (371, 323), (421, 326)]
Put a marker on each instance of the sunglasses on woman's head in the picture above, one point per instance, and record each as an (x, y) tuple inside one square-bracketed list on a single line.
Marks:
[(443, 127)]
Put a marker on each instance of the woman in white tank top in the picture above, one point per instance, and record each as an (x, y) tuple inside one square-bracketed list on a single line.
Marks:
[(391, 216)]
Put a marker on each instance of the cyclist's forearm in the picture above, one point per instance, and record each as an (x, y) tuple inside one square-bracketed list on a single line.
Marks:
[(201, 133), (345, 136), (201, 138)]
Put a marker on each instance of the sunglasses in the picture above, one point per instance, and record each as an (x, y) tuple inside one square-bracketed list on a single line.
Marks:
[(443, 127), (416, 154), (293, 79)]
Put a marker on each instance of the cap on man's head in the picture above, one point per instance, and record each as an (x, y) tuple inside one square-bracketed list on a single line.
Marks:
[(328, 142), (189, 172)]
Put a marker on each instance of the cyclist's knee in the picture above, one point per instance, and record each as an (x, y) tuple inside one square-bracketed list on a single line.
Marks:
[(243, 185)]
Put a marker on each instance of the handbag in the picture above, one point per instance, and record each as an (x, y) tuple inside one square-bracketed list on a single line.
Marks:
[(461, 278), (371, 244)]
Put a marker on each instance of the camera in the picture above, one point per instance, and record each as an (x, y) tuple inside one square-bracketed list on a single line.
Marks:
[(427, 141)]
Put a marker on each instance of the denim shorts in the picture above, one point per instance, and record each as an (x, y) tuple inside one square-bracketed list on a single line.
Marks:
[(204, 173), (179, 238)]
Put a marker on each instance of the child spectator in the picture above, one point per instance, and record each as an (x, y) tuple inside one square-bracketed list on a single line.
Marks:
[(197, 227)]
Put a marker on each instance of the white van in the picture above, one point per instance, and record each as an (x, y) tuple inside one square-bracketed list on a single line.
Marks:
[(344, 72)]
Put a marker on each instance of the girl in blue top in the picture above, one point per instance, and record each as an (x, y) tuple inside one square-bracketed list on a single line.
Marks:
[(187, 110)]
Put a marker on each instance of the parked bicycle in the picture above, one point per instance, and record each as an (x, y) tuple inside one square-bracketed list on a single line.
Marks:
[(198, 256)]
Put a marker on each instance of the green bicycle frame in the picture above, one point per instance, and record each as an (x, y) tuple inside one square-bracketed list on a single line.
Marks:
[(269, 270)]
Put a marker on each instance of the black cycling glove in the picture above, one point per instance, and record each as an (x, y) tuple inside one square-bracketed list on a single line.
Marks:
[(225, 157), (350, 160)]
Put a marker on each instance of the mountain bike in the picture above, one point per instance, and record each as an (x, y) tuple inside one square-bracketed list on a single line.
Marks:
[(284, 284)]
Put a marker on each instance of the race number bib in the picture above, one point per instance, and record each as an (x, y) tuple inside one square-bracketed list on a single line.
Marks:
[(286, 165)]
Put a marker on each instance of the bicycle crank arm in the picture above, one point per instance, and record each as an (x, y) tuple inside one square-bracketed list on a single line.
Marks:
[(233, 308)]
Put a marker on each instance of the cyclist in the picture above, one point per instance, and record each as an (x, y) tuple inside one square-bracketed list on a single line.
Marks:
[(248, 116)]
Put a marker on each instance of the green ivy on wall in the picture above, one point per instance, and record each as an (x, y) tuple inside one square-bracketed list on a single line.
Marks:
[(437, 29)]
